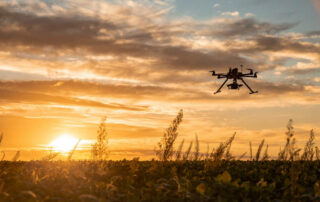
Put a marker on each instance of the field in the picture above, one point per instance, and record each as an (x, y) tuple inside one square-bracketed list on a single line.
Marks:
[(160, 181), (177, 175)]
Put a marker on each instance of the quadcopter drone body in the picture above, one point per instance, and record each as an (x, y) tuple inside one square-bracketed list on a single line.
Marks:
[(235, 75)]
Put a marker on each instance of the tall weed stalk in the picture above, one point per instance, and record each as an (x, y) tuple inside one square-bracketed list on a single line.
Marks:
[(165, 149)]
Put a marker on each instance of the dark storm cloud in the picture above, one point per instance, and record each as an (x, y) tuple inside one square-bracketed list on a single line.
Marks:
[(248, 27)]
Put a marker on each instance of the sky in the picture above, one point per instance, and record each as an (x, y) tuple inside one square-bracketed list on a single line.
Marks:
[(66, 64)]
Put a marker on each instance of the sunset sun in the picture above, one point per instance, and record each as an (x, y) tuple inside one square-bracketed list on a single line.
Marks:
[(64, 143)]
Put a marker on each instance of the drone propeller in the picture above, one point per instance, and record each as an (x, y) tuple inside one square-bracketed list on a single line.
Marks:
[(213, 72)]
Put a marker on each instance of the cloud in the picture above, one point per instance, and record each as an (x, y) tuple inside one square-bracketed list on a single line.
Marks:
[(270, 43), (162, 52), (246, 27), (79, 35), (302, 68), (249, 15), (233, 14), (316, 5), (157, 46), (317, 79), (46, 92), (67, 31), (314, 33), (13, 94)]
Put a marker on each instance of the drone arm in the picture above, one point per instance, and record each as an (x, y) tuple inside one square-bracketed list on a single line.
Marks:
[(218, 91), (250, 75), (220, 76), (251, 91)]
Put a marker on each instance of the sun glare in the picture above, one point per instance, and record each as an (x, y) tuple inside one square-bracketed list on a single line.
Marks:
[(64, 143)]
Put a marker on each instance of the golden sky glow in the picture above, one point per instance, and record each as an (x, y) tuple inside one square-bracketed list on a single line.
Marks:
[(66, 64), (64, 143)]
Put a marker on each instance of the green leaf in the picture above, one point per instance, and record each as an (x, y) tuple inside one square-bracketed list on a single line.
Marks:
[(225, 177), (201, 188)]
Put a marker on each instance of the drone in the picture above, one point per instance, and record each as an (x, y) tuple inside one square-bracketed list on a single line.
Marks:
[(236, 75)]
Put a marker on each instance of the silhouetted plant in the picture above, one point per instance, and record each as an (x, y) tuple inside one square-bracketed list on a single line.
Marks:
[(283, 154), (196, 149), (165, 148), (16, 156), (265, 155), (3, 153), (179, 151), (51, 155), (317, 153), (207, 153), (289, 152), (242, 155), (218, 154), (308, 152), (99, 150), (222, 151), (187, 153), (73, 150), (228, 155), (259, 150), (250, 144)]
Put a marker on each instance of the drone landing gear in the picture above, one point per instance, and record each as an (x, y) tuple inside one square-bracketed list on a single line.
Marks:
[(251, 91), (218, 91)]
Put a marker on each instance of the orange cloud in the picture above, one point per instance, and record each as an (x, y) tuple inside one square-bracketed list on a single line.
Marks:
[(316, 4)]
